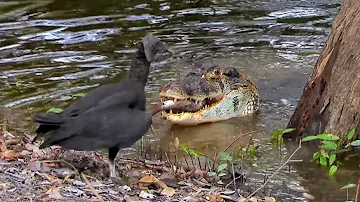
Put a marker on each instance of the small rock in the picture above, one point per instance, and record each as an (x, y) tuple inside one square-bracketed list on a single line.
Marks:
[(146, 195), (126, 188), (308, 196)]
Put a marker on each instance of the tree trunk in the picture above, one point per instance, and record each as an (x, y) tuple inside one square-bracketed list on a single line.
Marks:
[(331, 97)]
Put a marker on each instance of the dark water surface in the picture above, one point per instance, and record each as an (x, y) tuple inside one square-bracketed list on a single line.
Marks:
[(53, 48)]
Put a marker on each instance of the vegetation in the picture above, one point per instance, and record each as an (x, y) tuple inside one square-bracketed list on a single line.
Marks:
[(331, 146)]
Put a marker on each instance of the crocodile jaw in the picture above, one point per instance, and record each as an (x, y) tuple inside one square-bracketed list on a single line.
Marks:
[(233, 104)]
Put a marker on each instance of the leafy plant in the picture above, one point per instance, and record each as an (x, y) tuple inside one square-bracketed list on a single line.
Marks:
[(277, 136), (330, 146), (347, 187), (248, 151)]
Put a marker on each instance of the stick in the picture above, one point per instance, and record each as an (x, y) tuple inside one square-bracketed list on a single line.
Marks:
[(81, 175), (357, 191), (262, 186)]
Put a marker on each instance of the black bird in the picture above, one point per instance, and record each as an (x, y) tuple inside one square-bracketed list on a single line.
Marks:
[(112, 116)]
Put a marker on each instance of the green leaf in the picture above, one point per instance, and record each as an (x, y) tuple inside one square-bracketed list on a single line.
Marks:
[(348, 186), (332, 159), (54, 110), (79, 95), (351, 134), (329, 145), (316, 156), (185, 148), (65, 97), (326, 136), (288, 130), (323, 161), (355, 143), (332, 170), (225, 156), (308, 138), (221, 167)]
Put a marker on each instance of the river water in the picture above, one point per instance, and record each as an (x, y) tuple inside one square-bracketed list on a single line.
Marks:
[(53, 48)]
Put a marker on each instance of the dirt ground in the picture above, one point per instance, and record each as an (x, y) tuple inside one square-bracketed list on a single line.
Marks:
[(53, 174)]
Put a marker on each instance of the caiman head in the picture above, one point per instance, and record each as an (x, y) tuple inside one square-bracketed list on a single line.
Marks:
[(209, 95)]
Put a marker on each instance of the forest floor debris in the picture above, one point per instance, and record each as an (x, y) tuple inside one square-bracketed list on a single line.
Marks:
[(53, 174)]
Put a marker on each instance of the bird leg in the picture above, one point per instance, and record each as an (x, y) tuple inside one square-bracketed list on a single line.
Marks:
[(113, 173)]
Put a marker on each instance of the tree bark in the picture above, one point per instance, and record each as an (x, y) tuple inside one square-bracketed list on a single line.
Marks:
[(331, 97)]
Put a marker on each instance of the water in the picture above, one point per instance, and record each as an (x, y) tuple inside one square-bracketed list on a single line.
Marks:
[(54, 48)]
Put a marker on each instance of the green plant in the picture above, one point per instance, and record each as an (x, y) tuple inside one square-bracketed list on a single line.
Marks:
[(248, 151), (347, 187), (277, 136), (330, 146), (223, 163)]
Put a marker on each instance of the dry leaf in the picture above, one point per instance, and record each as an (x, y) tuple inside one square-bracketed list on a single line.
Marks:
[(168, 191), (35, 149), (148, 179), (53, 192), (12, 141), (10, 154)]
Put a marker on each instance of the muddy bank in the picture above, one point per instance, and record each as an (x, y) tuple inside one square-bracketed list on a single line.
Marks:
[(53, 174)]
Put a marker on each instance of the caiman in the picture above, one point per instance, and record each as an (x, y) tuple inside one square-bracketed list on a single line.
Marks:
[(208, 95)]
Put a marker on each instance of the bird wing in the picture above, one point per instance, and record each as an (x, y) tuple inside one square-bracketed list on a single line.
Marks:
[(107, 124)]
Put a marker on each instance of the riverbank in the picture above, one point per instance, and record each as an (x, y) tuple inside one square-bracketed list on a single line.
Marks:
[(53, 174)]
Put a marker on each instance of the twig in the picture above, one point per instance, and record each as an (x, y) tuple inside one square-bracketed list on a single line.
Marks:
[(91, 187), (236, 139), (80, 174), (357, 191), (271, 176)]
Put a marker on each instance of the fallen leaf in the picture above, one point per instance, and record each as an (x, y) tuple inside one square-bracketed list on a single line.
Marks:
[(25, 152), (12, 141), (168, 191), (35, 149), (10, 154), (53, 192), (52, 165), (148, 179)]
